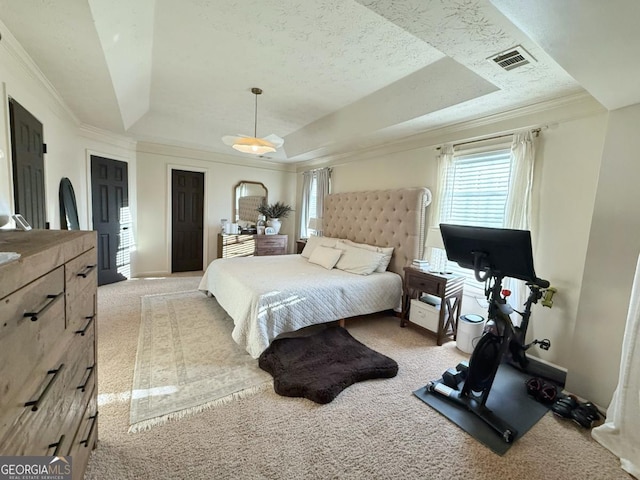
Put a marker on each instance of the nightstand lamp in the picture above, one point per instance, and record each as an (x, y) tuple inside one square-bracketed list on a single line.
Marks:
[(439, 256)]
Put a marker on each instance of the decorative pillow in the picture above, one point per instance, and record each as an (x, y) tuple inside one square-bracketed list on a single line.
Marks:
[(313, 242), (325, 257), (386, 251), (357, 260)]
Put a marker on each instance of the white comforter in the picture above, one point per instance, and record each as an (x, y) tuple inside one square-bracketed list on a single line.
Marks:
[(270, 295)]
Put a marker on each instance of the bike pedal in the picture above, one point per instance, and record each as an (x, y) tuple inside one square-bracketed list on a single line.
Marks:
[(545, 344)]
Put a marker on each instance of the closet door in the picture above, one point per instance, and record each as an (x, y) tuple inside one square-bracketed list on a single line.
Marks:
[(27, 152)]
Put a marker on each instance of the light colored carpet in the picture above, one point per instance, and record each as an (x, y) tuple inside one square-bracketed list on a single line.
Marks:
[(373, 430), (187, 361)]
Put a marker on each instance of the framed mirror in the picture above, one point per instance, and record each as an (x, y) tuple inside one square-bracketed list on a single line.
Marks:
[(68, 207), (247, 197)]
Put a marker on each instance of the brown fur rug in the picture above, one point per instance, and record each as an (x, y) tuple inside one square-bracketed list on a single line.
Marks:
[(320, 366)]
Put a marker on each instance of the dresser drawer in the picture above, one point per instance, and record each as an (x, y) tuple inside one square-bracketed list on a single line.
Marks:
[(271, 244), (39, 431), (81, 273), (45, 417), (85, 438), (32, 323), (81, 311)]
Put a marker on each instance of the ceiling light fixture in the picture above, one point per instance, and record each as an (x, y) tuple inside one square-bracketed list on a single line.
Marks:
[(254, 145)]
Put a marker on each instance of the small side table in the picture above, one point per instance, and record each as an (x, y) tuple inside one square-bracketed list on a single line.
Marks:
[(300, 244), (447, 287)]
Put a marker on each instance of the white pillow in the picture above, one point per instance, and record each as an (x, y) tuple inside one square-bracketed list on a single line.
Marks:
[(313, 242), (325, 257), (357, 260), (387, 251)]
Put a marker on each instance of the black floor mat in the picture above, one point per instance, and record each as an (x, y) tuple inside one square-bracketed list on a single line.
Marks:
[(508, 400)]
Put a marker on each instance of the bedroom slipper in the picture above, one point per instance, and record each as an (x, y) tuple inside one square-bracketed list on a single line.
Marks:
[(541, 391)]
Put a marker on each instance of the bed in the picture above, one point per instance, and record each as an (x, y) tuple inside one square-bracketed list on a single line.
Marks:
[(268, 296)]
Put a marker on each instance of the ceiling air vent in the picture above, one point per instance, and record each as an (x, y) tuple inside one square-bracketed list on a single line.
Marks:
[(513, 58)]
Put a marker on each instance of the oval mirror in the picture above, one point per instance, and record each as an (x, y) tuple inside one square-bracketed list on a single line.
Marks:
[(247, 197), (68, 207)]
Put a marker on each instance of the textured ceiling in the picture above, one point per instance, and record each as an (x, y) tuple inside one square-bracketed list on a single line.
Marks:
[(337, 75)]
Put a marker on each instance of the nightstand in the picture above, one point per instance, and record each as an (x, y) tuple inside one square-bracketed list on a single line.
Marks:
[(448, 288), (300, 244)]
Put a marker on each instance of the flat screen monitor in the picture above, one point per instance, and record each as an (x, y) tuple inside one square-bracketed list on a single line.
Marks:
[(499, 251)]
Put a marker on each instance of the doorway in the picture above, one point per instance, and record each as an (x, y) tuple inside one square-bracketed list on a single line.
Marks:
[(187, 220), (111, 218), (27, 152)]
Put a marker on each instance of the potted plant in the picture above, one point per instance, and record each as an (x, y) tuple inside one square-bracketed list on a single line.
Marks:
[(274, 212)]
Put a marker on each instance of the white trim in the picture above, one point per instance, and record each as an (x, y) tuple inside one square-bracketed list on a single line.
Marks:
[(105, 136), (552, 111), (211, 156), (8, 153), (168, 216), (13, 48)]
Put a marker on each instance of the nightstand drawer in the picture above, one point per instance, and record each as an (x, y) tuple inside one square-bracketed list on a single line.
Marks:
[(425, 315), (425, 283)]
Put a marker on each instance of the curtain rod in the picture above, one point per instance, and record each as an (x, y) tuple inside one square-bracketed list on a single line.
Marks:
[(535, 131), (317, 169)]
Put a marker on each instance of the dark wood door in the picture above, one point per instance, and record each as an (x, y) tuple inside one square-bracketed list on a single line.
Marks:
[(27, 151), (111, 218), (187, 211)]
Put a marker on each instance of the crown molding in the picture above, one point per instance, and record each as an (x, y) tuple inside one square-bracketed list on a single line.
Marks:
[(11, 45), (551, 111), (107, 136), (209, 156)]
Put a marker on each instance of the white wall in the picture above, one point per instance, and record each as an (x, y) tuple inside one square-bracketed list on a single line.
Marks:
[(613, 248), (222, 173), (566, 174), (67, 142)]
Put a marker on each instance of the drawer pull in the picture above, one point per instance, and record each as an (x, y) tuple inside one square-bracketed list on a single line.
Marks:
[(87, 270), (83, 387), (50, 301), (84, 330), (34, 404), (57, 445), (94, 419)]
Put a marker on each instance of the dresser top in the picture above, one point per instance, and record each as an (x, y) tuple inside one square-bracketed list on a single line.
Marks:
[(40, 252)]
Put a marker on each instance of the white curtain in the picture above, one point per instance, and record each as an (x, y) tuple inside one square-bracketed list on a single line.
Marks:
[(518, 207), (307, 178), (322, 180), (445, 167), (621, 431), (323, 188)]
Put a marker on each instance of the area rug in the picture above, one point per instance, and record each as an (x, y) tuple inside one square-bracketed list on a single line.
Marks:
[(322, 365), (187, 361)]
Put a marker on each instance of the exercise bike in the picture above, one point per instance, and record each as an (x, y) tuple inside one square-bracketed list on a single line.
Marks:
[(493, 254)]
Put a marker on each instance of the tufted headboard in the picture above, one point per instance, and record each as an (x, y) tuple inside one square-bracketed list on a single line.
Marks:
[(386, 218)]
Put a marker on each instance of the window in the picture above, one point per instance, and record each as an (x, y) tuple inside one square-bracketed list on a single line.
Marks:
[(313, 202), (475, 193), (316, 184)]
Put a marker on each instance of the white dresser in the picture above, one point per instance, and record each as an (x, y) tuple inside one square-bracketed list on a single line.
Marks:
[(48, 400)]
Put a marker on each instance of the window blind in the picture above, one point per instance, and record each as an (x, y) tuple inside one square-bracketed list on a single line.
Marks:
[(476, 194)]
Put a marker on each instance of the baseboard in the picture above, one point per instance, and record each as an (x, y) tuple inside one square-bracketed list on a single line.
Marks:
[(540, 368)]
